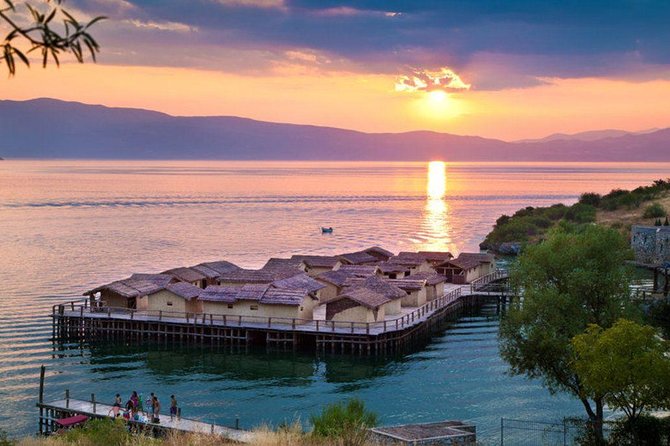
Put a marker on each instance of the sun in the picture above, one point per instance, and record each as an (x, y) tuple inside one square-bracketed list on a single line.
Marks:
[(437, 96)]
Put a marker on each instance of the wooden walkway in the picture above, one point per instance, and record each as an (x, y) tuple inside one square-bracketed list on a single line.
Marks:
[(52, 410)]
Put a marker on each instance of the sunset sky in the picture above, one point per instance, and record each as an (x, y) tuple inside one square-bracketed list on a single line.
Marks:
[(509, 70)]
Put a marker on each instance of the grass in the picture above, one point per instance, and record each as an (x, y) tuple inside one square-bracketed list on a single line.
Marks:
[(619, 209)]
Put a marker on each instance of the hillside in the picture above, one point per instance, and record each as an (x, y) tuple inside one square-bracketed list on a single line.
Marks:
[(619, 209), (48, 128)]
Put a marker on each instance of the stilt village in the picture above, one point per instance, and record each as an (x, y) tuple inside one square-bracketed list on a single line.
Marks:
[(367, 302)]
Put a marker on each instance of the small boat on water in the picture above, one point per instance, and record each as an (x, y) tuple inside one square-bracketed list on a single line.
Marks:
[(328, 230)]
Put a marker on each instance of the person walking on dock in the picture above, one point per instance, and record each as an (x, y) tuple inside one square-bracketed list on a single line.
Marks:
[(174, 411)]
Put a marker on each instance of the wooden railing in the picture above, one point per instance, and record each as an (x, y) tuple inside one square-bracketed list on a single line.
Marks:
[(78, 308), (481, 282)]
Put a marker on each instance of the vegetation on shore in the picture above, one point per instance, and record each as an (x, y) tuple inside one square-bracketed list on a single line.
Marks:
[(341, 424), (618, 209), (578, 331)]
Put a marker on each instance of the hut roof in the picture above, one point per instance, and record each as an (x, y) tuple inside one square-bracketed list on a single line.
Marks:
[(277, 263), (264, 294), (185, 274), (299, 282), (436, 256), (430, 256), (206, 271), (215, 293), (220, 266), (252, 292), (136, 285), (408, 284), (185, 290), (391, 267), (283, 296), (381, 286), (158, 279), (469, 260), (379, 252), (317, 261), (247, 276), (336, 278), (410, 259), (358, 258), (359, 270), (363, 296), (430, 277)]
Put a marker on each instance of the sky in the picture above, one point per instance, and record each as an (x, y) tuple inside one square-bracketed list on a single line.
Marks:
[(502, 69)]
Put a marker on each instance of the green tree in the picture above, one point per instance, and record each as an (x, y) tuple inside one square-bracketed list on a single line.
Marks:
[(625, 363), (51, 31), (576, 277)]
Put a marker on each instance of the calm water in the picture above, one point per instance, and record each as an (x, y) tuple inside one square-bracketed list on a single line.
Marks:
[(66, 226)]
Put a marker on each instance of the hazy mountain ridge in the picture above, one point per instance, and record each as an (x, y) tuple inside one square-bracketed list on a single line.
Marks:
[(48, 128)]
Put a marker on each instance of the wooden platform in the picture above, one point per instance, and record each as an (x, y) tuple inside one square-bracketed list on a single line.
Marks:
[(52, 410)]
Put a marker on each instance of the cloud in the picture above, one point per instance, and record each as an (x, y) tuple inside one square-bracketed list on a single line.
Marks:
[(444, 79), (529, 39)]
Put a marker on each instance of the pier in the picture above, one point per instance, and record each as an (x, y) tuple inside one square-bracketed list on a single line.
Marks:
[(80, 320), (51, 412)]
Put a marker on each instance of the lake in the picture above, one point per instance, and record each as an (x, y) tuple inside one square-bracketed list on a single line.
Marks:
[(67, 226)]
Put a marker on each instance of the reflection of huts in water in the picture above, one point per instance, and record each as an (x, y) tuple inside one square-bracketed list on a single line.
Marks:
[(262, 300), (188, 275), (315, 265), (125, 293), (179, 297), (365, 300), (213, 270), (434, 283), (467, 267)]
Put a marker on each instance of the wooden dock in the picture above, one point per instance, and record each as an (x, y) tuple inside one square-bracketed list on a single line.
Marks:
[(51, 411), (78, 320)]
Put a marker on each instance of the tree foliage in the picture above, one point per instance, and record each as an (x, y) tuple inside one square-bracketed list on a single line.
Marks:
[(50, 31), (574, 278), (625, 363)]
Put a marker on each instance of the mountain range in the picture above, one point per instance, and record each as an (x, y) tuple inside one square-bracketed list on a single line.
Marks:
[(49, 128)]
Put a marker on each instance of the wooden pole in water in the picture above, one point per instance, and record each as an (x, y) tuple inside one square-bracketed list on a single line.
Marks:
[(41, 396), (40, 399)]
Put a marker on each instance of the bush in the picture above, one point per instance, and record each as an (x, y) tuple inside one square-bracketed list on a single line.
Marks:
[(642, 431), (581, 213), (99, 433), (654, 210), (346, 421), (590, 198), (5, 440)]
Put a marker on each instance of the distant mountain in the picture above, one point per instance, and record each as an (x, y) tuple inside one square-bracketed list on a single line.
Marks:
[(591, 135), (48, 128)]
